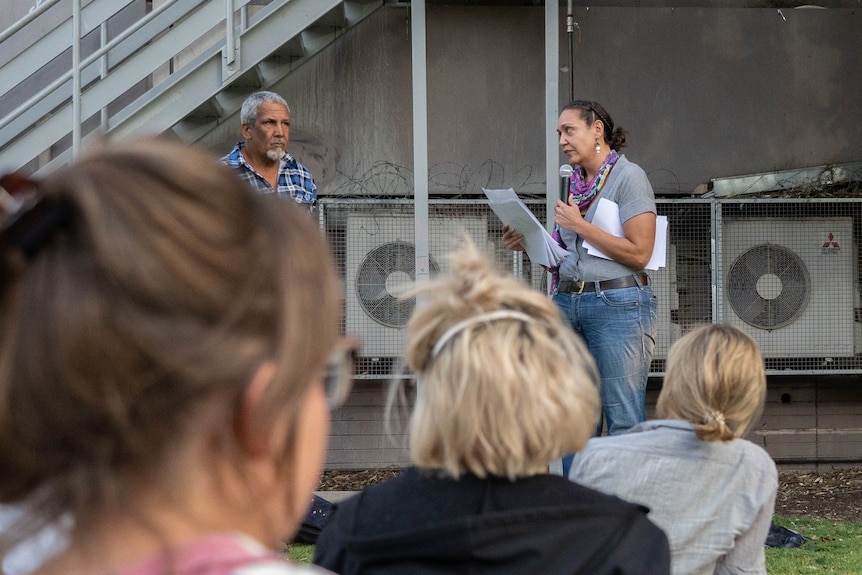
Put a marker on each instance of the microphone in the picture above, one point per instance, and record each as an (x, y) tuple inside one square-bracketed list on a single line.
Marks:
[(565, 179)]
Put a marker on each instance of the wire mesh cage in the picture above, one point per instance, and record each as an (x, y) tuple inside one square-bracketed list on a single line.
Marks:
[(683, 286), (785, 271), (788, 275), (373, 246)]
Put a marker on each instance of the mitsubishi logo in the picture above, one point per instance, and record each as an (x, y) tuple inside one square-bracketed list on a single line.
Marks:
[(830, 246)]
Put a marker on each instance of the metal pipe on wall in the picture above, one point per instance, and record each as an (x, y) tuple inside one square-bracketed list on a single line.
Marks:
[(552, 106), (570, 31), (420, 139), (76, 78)]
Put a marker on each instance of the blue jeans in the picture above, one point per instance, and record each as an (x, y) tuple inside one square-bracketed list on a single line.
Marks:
[(619, 326)]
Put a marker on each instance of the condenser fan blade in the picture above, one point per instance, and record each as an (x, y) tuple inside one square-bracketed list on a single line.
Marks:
[(768, 286), (385, 274)]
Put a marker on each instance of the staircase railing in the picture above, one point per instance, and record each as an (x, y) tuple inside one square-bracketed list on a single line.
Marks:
[(173, 68)]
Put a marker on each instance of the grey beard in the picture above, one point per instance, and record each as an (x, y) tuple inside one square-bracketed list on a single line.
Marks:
[(275, 155)]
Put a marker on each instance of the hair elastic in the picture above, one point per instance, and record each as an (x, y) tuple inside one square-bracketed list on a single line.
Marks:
[(485, 317), (717, 416), (35, 223)]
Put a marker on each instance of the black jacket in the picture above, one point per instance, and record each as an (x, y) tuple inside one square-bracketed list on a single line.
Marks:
[(423, 523)]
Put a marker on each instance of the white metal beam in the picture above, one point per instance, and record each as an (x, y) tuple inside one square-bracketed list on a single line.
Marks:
[(552, 97), (420, 139)]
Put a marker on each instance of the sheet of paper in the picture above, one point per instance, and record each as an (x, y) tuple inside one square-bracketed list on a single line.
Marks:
[(659, 250), (607, 218), (538, 243)]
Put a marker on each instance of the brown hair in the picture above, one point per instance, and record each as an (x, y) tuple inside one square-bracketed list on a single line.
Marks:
[(507, 391), (590, 111), (715, 380), (166, 283)]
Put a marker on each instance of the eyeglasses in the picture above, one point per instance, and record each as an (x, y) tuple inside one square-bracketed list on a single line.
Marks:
[(338, 379)]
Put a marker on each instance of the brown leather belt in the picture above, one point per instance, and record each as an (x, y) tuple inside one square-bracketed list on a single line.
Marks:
[(580, 286)]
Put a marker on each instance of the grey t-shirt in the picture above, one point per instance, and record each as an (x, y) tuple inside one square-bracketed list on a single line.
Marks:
[(628, 186)]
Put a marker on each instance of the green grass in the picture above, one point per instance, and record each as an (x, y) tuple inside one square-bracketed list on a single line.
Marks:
[(300, 553), (831, 548)]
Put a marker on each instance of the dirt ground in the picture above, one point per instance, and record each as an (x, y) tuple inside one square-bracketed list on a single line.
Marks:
[(833, 495)]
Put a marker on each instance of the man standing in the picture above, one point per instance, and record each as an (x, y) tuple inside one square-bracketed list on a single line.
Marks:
[(262, 158)]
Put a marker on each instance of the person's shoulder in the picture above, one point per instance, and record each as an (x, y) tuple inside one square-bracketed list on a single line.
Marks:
[(600, 517), (646, 432), (757, 456), (597, 453), (578, 494), (290, 160), (630, 186), (625, 164), (626, 168), (232, 158), (613, 451), (598, 446)]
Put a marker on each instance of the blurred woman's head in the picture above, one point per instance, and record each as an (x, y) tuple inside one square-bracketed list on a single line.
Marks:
[(505, 387), (715, 379), (152, 302)]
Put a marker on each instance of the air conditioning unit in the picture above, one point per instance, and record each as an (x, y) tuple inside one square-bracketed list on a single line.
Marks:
[(790, 284), (381, 267), (664, 287)]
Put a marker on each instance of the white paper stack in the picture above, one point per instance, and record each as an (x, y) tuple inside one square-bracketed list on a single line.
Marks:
[(607, 218), (538, 243)]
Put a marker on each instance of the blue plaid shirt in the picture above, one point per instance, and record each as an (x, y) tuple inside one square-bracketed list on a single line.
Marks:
[(294, 179)]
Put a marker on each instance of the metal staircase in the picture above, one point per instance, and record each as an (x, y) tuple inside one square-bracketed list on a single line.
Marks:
[(182, 67)]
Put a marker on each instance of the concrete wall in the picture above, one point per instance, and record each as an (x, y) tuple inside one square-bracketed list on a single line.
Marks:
[(352, 104), (361, 437), (710, 93), (704, 93), (812, 422), (812, 419)]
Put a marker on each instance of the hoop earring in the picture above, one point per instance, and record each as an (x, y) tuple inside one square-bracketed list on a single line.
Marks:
[(598, 146)]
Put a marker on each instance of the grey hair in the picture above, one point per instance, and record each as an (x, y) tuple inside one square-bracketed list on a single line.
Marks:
[(248, 113)]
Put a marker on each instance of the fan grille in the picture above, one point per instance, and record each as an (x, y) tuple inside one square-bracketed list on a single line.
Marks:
[(384, 275), (768, 286)]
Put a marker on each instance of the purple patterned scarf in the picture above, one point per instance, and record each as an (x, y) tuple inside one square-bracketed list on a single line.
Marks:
[(583, 193)]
